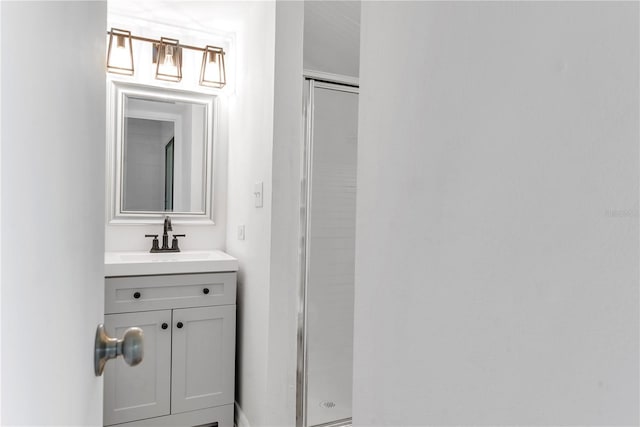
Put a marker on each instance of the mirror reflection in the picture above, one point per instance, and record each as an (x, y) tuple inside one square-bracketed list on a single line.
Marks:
[(164, 153)]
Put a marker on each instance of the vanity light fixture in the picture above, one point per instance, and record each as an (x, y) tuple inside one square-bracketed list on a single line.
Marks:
[(167, 55), (168, 59), (120, 54), (212, 70)]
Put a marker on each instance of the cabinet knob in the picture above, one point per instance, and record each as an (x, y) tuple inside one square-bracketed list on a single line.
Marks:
[(179, 325), (205, 291), (130, 347), (136, 295), (165, 326)]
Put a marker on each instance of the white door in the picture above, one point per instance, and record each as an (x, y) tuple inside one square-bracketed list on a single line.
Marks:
[(52, 210)]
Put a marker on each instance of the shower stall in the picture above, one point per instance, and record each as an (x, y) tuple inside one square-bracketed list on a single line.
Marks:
[(325, 333)]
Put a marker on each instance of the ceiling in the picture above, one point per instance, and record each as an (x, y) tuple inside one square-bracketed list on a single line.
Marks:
[(331, 28), (332, 36), (207, 16)]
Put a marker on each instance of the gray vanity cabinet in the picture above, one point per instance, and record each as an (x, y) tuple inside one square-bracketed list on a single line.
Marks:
[(187, 373), (144, 392), (202, 353)]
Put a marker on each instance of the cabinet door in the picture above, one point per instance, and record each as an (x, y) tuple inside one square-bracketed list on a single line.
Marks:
[(133, 393), (203, 362)]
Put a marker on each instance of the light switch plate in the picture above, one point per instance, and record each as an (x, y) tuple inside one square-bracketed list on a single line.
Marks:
[(257, 194), (241, 232)]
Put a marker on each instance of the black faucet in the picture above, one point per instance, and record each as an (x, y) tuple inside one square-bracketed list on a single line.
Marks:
[(165, 239), (165, 236)]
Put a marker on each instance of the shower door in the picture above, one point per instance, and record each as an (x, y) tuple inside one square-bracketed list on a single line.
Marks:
[(329, 206)]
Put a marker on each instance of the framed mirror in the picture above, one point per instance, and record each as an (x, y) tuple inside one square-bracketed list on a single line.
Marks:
[(160, 156)]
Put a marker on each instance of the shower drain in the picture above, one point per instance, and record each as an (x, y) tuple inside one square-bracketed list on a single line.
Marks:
[(327, 404)]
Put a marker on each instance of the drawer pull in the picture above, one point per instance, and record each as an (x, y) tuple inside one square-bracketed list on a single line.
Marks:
[(165, 326), (136, 295), (205, 291), (179, 325)]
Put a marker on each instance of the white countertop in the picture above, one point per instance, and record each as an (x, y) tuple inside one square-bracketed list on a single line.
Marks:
[(141, 263)]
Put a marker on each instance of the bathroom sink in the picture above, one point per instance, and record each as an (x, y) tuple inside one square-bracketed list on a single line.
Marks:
[(167, 257), (145, 263)]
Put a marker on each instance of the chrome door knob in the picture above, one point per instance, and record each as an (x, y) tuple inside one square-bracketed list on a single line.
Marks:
[(130, 347)]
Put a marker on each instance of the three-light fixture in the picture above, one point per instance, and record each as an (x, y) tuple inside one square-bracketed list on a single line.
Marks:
[(167, 55)]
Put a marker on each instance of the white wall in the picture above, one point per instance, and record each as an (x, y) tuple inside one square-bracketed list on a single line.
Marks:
[(497, 236), (250, 151), (182, 156), (144, 163), (195, 164), (1, 205), (53, 124), (285, 217)]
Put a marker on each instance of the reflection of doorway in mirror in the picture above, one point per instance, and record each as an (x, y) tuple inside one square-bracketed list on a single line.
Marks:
[(152, 192), (168, 176), (144, 171)]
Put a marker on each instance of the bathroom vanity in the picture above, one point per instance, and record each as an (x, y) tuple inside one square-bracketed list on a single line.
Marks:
[(185, 304)]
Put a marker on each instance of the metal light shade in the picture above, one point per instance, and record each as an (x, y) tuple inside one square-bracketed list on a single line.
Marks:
[(212, 72), (120, 53), (168, 60)]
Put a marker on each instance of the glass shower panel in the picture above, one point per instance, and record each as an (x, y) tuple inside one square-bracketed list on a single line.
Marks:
[(330, 253)]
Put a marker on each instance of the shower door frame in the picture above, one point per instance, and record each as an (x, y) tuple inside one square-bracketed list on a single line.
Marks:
[(312, 80)]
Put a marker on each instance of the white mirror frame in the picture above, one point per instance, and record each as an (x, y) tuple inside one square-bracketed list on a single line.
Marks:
[(115, 153)]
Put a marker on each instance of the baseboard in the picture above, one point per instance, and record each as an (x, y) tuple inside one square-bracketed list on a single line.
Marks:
[(240, 419)]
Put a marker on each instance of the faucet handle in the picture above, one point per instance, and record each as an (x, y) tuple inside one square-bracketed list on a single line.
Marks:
[(154, 244), (174, 242)]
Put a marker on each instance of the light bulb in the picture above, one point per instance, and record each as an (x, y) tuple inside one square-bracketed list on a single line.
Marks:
[(169, 66), (212, 72), (120, 55)]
